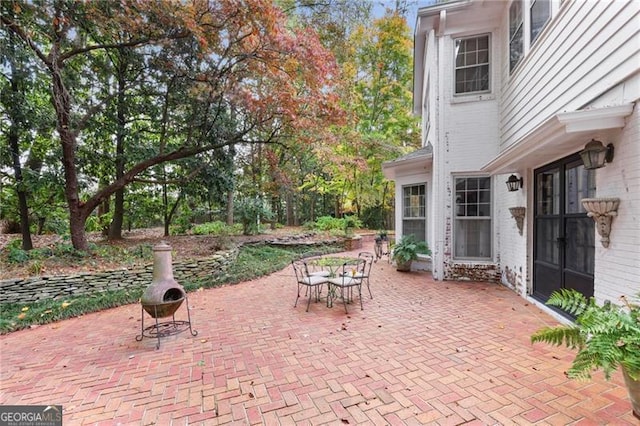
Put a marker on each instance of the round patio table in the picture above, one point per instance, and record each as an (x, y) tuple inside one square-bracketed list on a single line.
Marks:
[(333, 264)]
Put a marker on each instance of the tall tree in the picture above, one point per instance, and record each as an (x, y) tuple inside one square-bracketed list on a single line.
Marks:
[(383, 102), (12, 98), (375, 59), (24, 128), (249, 63)]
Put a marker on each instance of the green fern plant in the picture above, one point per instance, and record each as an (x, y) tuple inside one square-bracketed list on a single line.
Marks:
[(408, 248), (606, 336)]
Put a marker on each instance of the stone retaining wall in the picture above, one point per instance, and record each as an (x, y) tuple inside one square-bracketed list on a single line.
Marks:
[(34, 289)]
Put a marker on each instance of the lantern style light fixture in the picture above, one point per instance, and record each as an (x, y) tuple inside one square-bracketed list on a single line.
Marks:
[(514, 183), (595, 154)]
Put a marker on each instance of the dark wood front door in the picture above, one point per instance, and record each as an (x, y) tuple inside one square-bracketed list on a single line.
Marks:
[(564, 236)]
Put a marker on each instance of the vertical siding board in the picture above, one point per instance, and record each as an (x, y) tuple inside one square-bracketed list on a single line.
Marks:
[(612, 66), (544, 54)]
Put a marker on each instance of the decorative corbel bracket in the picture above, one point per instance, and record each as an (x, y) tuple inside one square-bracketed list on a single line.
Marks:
[(602, 210), (518, 214)]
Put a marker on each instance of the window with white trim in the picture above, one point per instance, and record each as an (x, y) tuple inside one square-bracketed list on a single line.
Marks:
[(472, 227), (516, 34), (540, 14), (414, 209), (472, 64)]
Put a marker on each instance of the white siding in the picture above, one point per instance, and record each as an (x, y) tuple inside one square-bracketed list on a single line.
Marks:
[(587, 48)]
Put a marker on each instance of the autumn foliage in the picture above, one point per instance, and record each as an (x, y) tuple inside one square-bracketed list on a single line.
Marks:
[(228, 71)]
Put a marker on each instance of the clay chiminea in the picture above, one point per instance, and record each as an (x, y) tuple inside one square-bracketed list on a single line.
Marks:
[(164, 295)]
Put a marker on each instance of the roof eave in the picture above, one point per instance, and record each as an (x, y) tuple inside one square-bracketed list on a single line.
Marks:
[(564, 132)]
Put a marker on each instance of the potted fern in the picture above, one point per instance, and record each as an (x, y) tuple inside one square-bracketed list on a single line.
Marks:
[(406, 251), (606, 337)]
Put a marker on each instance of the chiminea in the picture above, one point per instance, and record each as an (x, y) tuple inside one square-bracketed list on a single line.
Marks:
[(162, 299), (164, 295)]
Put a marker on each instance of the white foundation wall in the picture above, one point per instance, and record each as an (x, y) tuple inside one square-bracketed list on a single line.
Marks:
[(617, 268)]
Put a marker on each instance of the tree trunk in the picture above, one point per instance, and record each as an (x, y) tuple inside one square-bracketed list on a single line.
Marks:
[(291, 220), (230, 207), (15, 116), (27, 244), (62, 104), (41, 222), (165, 202), (169, 217), (115, 231), (103, 209)]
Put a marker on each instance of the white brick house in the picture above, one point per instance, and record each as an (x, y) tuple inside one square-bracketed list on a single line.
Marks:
[(519, 88)]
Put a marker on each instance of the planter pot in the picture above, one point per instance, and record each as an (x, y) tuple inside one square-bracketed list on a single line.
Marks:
[(353, 243), (403, 266), (633, 387)]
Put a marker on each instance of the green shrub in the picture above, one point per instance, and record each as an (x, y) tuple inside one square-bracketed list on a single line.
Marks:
[(249, 213), (17, 255), (327, 223), (335, 226), (215, 228), (67, 250)]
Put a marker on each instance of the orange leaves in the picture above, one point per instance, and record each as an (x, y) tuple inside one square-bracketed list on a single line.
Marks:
[(267, 70)]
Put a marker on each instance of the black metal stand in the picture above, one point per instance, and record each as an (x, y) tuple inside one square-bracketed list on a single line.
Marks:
[(167, 328)]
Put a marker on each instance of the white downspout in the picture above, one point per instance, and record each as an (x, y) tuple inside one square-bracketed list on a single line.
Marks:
[(438, 165)]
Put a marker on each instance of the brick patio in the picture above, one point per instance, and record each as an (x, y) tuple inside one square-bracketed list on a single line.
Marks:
[(421, 352)]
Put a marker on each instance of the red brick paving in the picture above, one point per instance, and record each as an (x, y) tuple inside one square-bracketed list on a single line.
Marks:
[(421, 352)]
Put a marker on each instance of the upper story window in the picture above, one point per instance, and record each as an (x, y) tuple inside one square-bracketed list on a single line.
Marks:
[(540, 14), (516, 34), (472, 64)]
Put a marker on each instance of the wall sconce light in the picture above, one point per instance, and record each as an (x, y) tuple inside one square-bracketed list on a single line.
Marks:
[(514, 183), (595, 154)]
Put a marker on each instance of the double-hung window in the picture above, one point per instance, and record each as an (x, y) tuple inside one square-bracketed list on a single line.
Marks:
[(516, 34), (414, 219), (472, 64), (472, 227), (540, 14)]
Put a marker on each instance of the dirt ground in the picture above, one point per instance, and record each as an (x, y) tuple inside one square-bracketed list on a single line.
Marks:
[(184, 247)]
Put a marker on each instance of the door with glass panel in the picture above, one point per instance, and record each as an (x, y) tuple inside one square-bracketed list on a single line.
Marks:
[(564, 236)]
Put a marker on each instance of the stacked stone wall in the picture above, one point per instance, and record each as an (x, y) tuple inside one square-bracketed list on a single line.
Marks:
[(33, 289)]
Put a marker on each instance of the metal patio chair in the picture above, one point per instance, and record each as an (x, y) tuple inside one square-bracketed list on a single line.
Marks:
[(314, 268), (311, 283), (365, 270), (345, 282)]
